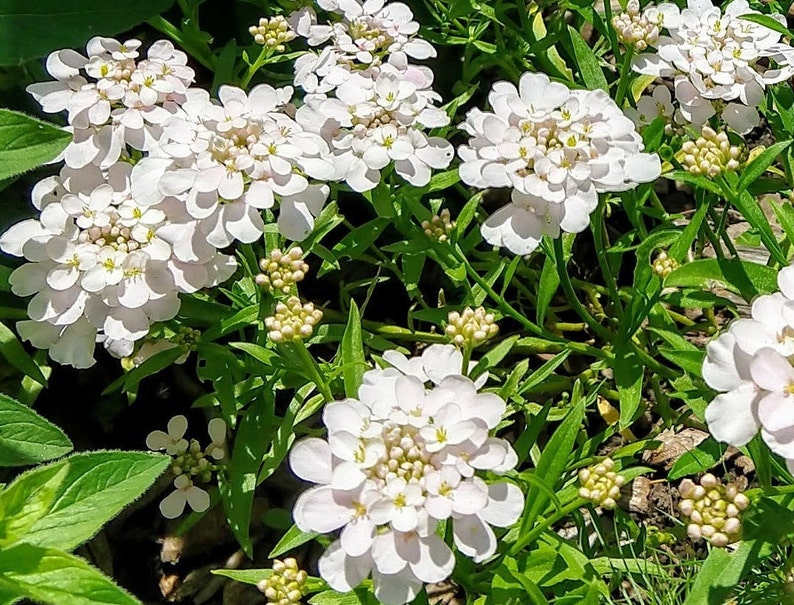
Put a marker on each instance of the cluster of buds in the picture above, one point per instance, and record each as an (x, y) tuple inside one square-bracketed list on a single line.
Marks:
[(281, 271), (292, 320), (286, 585), (601, 484), (190, 464), (635, 29), (713, 509), (663, 265), (273, 33), (472, 327), (439, 226), (711, 154)]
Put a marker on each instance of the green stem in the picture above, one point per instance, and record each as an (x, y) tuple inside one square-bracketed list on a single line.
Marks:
[(254, 67), (625, 69), (313, 369), (532, 535), (573, 299), (601, 243)]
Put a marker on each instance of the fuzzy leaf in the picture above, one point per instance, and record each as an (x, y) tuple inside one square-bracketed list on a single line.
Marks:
[(27, 438), (26, 142)]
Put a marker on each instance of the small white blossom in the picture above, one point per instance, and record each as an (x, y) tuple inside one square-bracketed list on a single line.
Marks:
[(173, 442), (185, 492)]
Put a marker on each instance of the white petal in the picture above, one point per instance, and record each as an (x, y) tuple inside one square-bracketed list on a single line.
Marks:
[(474, 538), (343, 573), (310, 459), (173, 504), (731, 416), (505, 504)]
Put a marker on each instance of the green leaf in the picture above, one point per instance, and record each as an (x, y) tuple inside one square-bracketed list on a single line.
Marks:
[(15, 354), (493, 357), (589, 67), (354, 364), (331, 597), (547, 287), (26, 142), (155, 363), (98, 486), (250, 445), (769, 22), (629, 373), (54, 577), (29, 30), (705, 455), (254, 576), (748, 206), (292, 539), (27, 438), (722, 571), (28, 499), (760, 163), (747, 279), (682, 176)]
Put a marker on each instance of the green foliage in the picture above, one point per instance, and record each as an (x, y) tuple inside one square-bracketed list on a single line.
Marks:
[(26, 142)]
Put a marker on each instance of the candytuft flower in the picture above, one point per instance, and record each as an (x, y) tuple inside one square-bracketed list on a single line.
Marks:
[(397, 461), (557, 149)]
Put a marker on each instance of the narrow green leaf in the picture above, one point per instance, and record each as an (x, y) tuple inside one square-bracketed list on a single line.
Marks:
[(722, 571), (354, 364), (760, 163), (292, 539), (629, 372), (57, 578), (493, 357), (544, 371), (98, 486), (748, 206), (26, 142), (769, 22), (237, 486), (15, 354), (683, 176), (27, 438), (27, 32), (547, 287), (589, 67)]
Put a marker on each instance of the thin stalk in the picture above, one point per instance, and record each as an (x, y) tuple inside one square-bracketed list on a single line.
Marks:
[(314, 370), (200, 53), (601, 243), (533, 535)]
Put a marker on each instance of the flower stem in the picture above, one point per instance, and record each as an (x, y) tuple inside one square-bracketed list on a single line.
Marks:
[(254, 67), (532, 535), (311, 367), (201, 54)]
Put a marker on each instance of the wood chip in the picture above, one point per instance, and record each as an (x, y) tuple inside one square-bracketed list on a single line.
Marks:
[(674, 445)]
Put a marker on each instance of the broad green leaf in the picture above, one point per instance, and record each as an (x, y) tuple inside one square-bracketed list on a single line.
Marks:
[(26, 142), (769, 22), (292, 539), (261, 354), (354, 363), (98, 486), (29, 30), (589, 67), (15, 354), (57, 578), (705, 455), (238, 484), (747, 279), (28, 499), (27, 438), (760, 163), (629, 372)]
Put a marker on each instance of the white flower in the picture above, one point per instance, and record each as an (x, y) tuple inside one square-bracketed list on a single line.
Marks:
[(656, 105), (173, 442), (397, 461), (749, 365), (217, 432), (558, 149), (185, 493), (719, 61)]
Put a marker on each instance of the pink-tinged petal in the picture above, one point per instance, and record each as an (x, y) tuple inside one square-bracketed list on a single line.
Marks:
[(771, 371), (505, 504), (173, 504), (731, 416), (343, 573), (776, 411), (395, 589), (474, 538), (317, 510), (357, 536), (310, 459)]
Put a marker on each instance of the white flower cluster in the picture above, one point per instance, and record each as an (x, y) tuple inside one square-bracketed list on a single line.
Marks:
[(106, 262), (190, 463), (718, 61), (365, 99), (398, 461), (111, 99), (103, 266), (751, 365), (227, 161), (558, 149)]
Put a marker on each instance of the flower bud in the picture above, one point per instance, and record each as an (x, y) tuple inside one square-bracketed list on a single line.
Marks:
[(601, 484), (439, 226), (286, 585), (471, 328), (292, 320), (280, 271), (273, 33), (711, 154), (712, 509)]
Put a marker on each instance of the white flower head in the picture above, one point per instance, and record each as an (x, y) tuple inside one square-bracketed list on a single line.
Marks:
[(173, 441), (558, 149), (397, 461)]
